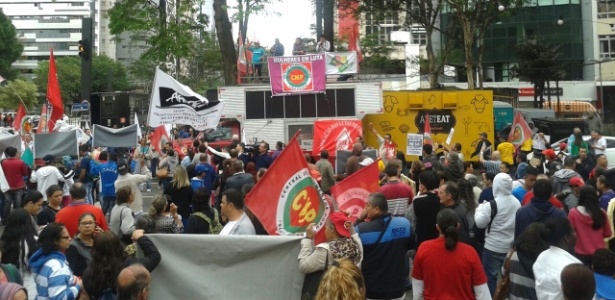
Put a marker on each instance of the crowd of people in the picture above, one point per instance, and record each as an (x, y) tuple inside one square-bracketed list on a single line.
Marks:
[(539, 225)]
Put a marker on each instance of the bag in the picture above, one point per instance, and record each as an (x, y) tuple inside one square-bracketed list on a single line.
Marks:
[(312, 282), (481, 233), (501, 292), (125, 239), (214, 226), (12, 274), (162, 173)]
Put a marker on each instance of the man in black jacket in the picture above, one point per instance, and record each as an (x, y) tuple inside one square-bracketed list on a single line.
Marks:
[(479, 146), (239, 177)]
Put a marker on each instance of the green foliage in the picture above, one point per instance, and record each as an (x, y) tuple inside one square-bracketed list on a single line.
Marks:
[(68, 69), (13, 91), (10, 47), (376, 56), (205, 65)]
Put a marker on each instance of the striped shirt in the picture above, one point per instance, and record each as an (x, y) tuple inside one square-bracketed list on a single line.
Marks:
[(521, 281), (399, 196), (55, 281)]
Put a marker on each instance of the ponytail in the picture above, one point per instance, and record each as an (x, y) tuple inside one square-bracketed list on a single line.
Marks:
[(448, 224), (452, 237)]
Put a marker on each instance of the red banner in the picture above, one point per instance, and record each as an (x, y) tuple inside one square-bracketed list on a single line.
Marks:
[(21, 113), (351, 194), (332, 135), (42, 122), (520, 131), (159, 138), (287, 199), (427, 131), (53, 94)]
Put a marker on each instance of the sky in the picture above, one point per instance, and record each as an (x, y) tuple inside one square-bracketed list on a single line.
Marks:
[(293, 20)]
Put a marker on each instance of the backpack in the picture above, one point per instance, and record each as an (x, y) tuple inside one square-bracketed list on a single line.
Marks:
[(480, 234), (214, 227)]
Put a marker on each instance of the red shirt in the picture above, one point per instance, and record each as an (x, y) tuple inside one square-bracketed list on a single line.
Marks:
[(14, 171), (448, 274), (529, 195), (69, 216), (399, 195)]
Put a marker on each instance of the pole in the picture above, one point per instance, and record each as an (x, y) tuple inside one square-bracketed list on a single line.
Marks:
[(601, 88)]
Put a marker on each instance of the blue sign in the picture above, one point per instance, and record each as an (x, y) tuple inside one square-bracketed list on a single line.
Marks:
[(76, 107)]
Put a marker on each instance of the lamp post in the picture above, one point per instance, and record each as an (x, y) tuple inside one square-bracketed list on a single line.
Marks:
[(599, 62)]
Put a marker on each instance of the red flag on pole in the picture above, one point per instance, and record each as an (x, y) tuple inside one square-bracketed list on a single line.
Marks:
[(427, 131), (42, 122), (21, 113), (54, 97), (159, 138), (351, 194), (353, 42), (520, 131), (287, 199), (242, 64)]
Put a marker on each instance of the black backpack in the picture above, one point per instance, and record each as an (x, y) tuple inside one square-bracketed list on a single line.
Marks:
[(480, 234)]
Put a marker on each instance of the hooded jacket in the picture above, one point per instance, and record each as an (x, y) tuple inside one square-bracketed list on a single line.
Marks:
[(539, 210), (352, 163), (170, 162), (561, 179), (500, 237), (54, 278), (45, 177)]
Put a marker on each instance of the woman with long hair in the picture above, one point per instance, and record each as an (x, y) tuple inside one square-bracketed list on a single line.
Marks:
[(342, 281), (165, 214), (444, 268), (9, 272), (78, 253), (590, 223), (54, 204), (32, 203), (122, 221), (108, 259), (52, 274), (180, 191), (19, 240), (204, 218)]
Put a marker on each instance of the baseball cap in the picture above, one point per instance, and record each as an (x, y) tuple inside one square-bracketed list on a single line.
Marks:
[(48, 158), (563, 146), (200, 168), (549, 153), (576, 182), (342, 223), (122, 167), (366, 161)]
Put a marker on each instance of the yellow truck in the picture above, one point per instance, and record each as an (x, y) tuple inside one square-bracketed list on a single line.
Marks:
[(465, 113)]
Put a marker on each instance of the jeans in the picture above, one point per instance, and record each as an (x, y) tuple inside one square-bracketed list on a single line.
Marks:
[(492, 264), (88, 193), (107, 204), (12, 200), (154, 166)]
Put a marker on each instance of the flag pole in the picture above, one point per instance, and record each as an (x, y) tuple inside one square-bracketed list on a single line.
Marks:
[(151, 97), (21, 100)]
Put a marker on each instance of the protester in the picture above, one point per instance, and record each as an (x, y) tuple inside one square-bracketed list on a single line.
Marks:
[(147, 153), (258, 55), (277, 49), (133, 283), (32, 203), (19, 241), (343, 280), (430, 160), (506, 149), (133, 181), (539, 210), (323, 45), (384, 256), (483, 145), (326, 171), (603, 264), (15, 170), (551, 262), (168, 162), (8, 271), (13, 291), (606, 192), (449, 198), (69, 216), (424, 209), (445, 268), (261, 159), (54, 279), (108, 176), (585, 164), (528, 183), (86, 177), (78, 253), (298, 48), (180, 191), (45, 176), (453, 167), (48, 214), (527, 247), (121, 220), (590, 222), (232, 209), (399, 195), (165, 214), (487, 193), (493, 165), (577, 144), (239, 177), (204, 219), (570, 196), (578, 282)]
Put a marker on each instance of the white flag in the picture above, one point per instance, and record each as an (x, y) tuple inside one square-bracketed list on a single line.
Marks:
[(1, 79), (175, 103), (139, 132)]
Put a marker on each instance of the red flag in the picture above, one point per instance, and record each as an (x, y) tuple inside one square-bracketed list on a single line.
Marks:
[(354, 43), (520, 131), (351, 194), (242, 64), (42, 122), (21, 113), (427, 131), (159, 138), (332, 135), (287, 199), (54, 97), (248, 54)]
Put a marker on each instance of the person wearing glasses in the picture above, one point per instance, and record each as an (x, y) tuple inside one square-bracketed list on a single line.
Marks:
[(78, 253), (54, 278)]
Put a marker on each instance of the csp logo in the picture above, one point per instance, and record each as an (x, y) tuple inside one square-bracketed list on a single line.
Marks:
[(301, 203), (297, 76)]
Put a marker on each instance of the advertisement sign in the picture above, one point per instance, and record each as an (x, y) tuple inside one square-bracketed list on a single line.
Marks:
[(414, 144), (339, 63), (333, 135), (301, 74), (440, 121)]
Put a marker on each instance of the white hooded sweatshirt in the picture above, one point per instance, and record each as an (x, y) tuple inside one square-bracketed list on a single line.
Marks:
[(45, 177), (500, 238)]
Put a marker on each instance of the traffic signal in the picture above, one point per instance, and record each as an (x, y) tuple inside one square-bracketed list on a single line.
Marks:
[(84, 51)]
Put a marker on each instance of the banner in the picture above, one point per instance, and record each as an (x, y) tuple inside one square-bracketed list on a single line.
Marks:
[(139, 132), (42, 121), (427, 131), (10, 141), (242, 62), (203, 266), (54, 97), (338, 63), (520, 131), (108, 137), (414, 144), (300, 74), (159, 138), (287, 199), (56, 144), (341, 156), (333, 135), (21, 113), (175, 103), (351, 194)]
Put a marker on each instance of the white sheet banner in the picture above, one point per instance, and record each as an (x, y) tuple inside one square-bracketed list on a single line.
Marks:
[(338, 63), (226, 267), (175, 103), (414, 144)]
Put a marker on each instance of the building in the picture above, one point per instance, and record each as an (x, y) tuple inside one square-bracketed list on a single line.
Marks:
[(104, 44)]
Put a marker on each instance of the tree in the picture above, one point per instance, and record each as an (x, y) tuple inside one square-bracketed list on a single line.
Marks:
[(376, 56), (538, 64), (68, 69), (10, 47), (15, 91), (224, 32), (247, 8), (205, 65)]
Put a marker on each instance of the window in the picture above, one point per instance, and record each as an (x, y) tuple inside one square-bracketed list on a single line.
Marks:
[(606, 9), (419, 38), (334, 103), (382, 24), (607, 46)]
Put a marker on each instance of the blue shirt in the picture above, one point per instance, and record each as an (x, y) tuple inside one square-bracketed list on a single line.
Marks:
[(108, 176), (605, 286), (519, 193), (85, 164), (257, 54)]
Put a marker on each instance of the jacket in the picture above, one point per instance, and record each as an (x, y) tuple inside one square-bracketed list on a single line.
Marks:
[(326, 172), (121, 221), (605, 198), (454, 172), (133, 180), (423, 214), (170, 162), (45, 177), (54, 279), (500, 238), (238, 180), (561, 179), (108, 176), (78, 256), (15, 170), (312, 258), (262, 161), (243, 226), (435, 162), (539, 210), (588, 239)]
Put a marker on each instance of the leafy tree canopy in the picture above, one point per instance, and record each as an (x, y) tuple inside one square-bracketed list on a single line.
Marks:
[(15, 91), (10, 47)]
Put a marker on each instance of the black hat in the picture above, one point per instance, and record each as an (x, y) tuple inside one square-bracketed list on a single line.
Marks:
[(122, 167), (48, 158)]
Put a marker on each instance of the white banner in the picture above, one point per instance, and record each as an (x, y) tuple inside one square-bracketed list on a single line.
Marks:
[(203, 266), (175, 103), (338, 63), (414, 144)]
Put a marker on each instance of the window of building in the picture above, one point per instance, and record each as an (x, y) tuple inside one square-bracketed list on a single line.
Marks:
[(419, 38), (382, 24), (607, 46), (334, 103), (606, 9), (76, 4)]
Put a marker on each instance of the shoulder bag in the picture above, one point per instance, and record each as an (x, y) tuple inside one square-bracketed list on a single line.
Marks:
[(312, 282), (501, 292)]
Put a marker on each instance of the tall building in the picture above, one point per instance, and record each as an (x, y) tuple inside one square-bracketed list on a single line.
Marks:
[(104, 44)]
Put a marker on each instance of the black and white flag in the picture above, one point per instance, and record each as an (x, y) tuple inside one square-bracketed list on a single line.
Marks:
[(175, 103)]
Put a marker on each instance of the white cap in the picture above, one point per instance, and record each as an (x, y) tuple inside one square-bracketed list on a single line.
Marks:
[(366, 161)]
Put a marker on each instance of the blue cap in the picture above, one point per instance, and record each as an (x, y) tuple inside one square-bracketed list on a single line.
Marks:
[(200, 168)]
